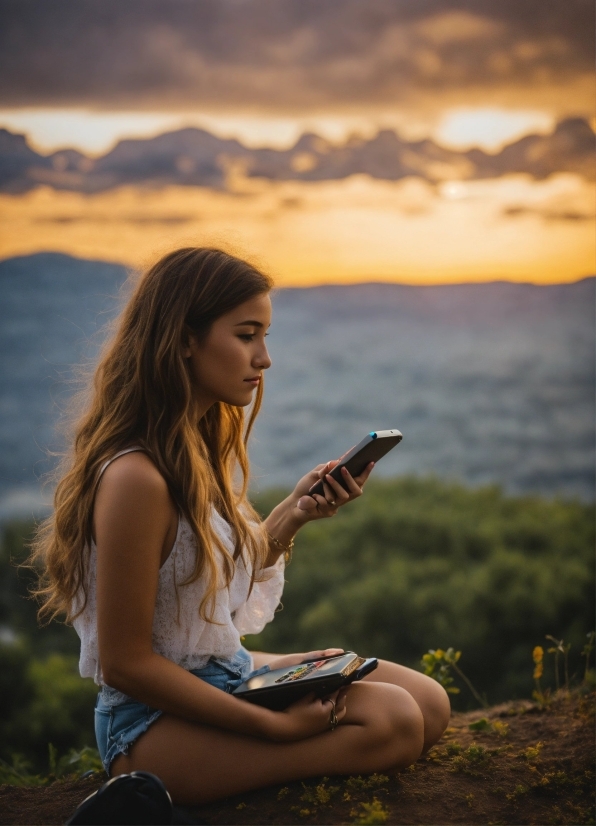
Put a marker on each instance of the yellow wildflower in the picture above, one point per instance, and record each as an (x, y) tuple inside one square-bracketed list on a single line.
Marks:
[(537, 656)]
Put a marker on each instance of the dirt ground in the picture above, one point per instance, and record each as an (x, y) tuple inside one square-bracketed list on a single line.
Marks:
[(522, 765)]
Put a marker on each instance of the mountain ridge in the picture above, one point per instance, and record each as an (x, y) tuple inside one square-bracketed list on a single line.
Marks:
[(490, 383)]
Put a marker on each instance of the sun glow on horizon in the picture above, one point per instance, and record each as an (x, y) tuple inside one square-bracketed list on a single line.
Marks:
[(95, 132), (489, 128), (354, 230)]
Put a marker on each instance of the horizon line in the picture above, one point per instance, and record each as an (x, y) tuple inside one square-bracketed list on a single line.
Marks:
[(337, 283)]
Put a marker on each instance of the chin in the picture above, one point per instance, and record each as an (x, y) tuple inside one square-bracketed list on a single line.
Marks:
[(240, 401)]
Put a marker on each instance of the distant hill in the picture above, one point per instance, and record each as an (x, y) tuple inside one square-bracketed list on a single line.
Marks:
[(194, 157), (488, 382), (52, 309)]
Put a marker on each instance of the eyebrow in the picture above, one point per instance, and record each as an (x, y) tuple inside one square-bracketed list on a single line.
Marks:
[(249, 323)]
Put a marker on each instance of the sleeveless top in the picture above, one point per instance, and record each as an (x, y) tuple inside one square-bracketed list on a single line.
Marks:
[(179, 633)]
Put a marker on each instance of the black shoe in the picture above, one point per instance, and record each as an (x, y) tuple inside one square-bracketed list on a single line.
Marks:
[(139, 799)]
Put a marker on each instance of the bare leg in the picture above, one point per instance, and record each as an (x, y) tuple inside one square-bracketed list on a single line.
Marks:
[(431, 697), (383, 730)]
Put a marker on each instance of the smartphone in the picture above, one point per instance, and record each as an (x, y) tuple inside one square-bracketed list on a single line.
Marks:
[(372, 448)]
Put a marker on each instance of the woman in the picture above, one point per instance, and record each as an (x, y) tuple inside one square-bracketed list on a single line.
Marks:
[(156, 556)]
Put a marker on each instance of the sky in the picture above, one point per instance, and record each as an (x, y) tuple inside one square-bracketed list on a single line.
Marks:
[(473, 73)]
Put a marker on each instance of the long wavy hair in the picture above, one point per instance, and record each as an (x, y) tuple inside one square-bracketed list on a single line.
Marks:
[(142, 394)]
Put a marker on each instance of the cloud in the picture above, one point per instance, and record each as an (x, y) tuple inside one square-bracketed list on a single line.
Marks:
[(292, 55), (457, 27), (549, 214), (194, 157), (354, 229)]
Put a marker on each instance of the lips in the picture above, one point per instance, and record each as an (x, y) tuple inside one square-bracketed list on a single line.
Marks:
[(254, 380)]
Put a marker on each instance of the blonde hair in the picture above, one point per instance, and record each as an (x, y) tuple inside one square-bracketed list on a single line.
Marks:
[(142, 394)]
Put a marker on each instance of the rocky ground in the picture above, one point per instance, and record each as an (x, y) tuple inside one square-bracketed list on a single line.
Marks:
[(515, 763)]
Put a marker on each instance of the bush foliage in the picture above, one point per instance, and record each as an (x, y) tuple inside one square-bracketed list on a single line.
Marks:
[(418, 564), (413, 565), (43, 699)]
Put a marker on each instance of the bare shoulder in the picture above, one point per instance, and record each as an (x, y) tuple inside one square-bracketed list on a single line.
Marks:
[(134, 528), (132, 483), (133, 470)]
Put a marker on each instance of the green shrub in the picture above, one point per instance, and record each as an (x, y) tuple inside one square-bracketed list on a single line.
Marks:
[(16, 694), (61, 711), (43, 701), (18, 612), (419, 564), (414, 565)]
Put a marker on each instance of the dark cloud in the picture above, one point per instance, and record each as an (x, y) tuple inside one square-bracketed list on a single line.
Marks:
[(139, 220), (193, 157), (289, 54), (566, 215)]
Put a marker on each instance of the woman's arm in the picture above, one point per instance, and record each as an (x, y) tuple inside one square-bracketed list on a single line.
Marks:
[(285, 520), (133, 520)]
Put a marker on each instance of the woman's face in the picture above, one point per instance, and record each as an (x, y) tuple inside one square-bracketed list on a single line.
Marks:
[(228, 363)]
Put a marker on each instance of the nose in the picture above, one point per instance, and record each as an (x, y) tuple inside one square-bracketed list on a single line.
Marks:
[(262, 359)]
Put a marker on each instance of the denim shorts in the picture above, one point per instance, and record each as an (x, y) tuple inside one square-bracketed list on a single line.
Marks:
[(118, 726)]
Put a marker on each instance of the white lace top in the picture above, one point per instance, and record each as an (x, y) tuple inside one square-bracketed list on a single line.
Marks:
[(179, 633)]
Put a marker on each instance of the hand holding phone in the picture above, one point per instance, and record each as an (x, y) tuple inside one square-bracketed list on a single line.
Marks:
[(372, 448)]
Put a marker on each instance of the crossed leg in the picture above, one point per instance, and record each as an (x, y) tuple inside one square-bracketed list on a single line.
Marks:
[(381, 731), (431, 698), (384, 729)]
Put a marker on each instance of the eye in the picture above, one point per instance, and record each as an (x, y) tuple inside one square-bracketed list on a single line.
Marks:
[(249, 336)]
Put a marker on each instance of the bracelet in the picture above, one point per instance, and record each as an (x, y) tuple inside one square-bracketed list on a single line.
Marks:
[(285, 549)]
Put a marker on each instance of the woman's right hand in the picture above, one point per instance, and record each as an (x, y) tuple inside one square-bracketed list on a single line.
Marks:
[(308, 716)]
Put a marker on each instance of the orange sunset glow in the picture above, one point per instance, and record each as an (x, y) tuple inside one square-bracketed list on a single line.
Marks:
[(436, 146), (334, 231)]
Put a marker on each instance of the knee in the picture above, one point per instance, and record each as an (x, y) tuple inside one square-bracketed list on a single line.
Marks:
[(401, 730), (408, 734), (436, 712)]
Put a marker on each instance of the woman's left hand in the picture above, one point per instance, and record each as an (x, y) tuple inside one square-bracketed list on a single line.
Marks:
[(296, 659), (317, 507)]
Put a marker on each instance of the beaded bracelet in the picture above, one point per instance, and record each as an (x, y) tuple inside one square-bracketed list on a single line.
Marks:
[(285, 549)]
